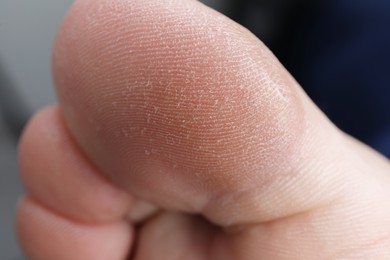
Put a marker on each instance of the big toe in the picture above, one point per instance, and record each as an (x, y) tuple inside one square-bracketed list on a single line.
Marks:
[(188, 110), (174, 98)]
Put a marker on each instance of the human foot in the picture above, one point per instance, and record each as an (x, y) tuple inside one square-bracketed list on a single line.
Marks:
[(172, 104)]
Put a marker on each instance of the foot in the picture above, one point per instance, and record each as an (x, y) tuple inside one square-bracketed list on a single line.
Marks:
[(178, 135)]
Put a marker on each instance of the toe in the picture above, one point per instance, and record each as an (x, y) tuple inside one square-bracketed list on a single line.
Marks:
[(182, 99), (58, 175)]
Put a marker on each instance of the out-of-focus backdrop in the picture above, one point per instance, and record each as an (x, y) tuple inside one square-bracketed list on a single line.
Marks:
[(27, 31)]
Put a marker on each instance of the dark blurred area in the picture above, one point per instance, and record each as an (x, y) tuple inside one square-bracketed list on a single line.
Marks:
[(338, 50), (13, 116), (13, 109)]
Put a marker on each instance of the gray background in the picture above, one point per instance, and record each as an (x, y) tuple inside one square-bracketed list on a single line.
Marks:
[(27, 31)]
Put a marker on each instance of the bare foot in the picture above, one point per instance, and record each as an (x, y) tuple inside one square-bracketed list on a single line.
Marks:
[(178, 123)]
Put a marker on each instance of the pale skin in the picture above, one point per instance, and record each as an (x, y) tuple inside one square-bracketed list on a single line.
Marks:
[(178, 135)]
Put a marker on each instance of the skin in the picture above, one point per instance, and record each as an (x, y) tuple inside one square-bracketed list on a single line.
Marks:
[(178, 135)]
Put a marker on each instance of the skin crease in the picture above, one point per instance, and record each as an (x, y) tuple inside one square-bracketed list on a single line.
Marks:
[(67, 239), (171, 103)]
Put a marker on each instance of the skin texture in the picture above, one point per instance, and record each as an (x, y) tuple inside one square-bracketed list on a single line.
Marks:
[(178, 135)]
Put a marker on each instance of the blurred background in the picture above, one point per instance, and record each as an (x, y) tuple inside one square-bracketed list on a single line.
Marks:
[(337, 49), (27, 31)]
